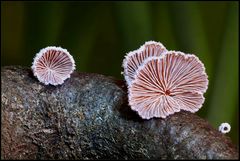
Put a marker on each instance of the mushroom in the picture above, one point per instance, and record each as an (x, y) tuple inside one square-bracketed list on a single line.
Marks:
[(135, 58), (168, 83), (53, 65), (224, 128)]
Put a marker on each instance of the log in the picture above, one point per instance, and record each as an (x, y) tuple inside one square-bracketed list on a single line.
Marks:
[(88, 117)]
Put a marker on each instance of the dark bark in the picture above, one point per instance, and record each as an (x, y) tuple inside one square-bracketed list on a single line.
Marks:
[(88, 117)]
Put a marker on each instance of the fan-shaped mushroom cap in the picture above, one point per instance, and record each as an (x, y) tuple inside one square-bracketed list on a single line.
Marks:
[(168, 83), (135, 58)]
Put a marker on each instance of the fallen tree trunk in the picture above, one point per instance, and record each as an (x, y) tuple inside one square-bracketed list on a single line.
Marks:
[(88, 118)]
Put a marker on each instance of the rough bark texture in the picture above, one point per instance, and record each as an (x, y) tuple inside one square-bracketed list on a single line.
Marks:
[(88, 118)]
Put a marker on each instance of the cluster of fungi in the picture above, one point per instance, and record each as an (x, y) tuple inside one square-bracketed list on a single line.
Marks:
[(162, 82)]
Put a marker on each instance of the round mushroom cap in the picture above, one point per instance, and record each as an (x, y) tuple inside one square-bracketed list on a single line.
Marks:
[(224, 128), (53, 65), (167, 84)]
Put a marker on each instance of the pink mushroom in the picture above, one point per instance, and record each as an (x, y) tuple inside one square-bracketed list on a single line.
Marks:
[(135, 58), (53, 65), (167, 84)]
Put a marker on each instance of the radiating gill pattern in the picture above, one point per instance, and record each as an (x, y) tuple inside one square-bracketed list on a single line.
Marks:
[(135, 58), (166, 84), (53, 65)]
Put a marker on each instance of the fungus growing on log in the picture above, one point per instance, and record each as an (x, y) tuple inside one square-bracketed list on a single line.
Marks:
[(166, 83), (224, 128), (88, 118), (53, 65), (135, 58)]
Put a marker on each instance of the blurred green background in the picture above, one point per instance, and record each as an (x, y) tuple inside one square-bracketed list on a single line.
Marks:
[(99, 34)]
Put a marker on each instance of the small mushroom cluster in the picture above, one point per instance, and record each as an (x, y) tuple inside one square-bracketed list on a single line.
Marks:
[(162, 82)]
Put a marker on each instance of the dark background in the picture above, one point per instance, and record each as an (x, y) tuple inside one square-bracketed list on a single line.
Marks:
[(99, 34)]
